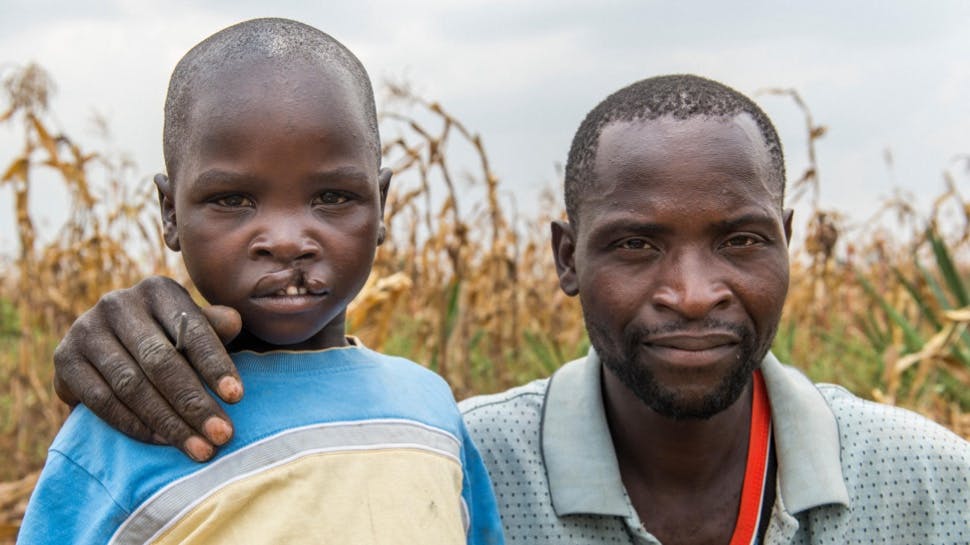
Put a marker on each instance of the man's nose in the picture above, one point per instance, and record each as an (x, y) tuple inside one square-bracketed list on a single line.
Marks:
[(285, 238), (691, 285)]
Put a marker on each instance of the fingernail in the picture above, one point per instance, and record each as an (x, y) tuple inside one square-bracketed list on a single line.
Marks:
[(230, 389), (198, 449), (217, 430)]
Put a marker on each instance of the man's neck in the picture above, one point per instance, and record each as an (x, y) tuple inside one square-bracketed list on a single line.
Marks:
[(677, 470)]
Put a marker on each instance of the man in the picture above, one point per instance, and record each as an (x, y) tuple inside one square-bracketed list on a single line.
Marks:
[(679, 427)]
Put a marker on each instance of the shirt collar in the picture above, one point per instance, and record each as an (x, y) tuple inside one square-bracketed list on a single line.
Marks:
[(584, 476)]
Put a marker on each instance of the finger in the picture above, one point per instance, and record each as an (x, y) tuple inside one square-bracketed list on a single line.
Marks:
[(95, 393), (126, 382), (225, 321), (203, 347), (149, 343), (64, 392)]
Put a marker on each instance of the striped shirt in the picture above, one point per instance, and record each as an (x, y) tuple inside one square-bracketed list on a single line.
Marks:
[(337, 446)]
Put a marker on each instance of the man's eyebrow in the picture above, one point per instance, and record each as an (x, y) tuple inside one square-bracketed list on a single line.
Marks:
[(632, 226)]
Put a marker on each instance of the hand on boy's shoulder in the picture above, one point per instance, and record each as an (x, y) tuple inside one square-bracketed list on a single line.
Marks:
[(119, 360)]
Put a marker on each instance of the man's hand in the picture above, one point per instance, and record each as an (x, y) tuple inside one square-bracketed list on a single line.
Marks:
[(119, 359)]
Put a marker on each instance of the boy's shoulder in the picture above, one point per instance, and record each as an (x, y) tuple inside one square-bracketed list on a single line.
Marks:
[(125, 468)]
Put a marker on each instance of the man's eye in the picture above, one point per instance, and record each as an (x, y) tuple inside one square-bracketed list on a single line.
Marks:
[(742, 241), (331, 198), (235, 201)]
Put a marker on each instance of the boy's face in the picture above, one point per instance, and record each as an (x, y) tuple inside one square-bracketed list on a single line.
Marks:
[(276, 203)]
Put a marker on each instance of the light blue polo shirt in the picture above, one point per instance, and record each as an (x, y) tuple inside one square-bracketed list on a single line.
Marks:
[(849, 470)]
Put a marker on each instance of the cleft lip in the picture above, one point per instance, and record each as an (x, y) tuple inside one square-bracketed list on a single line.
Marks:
[(693, 341), (289, 282)]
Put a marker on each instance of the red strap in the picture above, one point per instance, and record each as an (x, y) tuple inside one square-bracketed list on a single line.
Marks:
[(755, 476)]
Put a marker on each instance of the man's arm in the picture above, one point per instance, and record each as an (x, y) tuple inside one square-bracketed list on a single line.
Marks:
[(118, 359)]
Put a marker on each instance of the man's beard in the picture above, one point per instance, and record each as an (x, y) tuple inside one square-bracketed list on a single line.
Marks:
[(624, 363)]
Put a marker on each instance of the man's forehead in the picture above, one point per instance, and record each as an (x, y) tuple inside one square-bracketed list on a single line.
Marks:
[(668, 146), (661, 130), (676, 159)]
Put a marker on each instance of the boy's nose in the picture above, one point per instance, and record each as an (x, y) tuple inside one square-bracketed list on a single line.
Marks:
[(285, 242)]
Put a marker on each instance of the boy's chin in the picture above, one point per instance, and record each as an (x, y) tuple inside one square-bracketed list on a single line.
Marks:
[(267, 339)]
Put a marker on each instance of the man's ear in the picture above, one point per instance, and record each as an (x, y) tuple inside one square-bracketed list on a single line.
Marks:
[(166, 204), (383, 184), (787, 215), (564, 252)]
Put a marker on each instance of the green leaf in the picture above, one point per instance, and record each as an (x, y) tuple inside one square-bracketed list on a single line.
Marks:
[(911, 338), (949, 271), (541, 352), (917, 297)]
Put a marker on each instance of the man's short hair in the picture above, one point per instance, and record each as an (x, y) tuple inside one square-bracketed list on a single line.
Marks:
[(679, 96), (280, 41)]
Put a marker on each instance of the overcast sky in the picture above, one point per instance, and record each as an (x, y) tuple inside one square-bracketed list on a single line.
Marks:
[(881, 75)]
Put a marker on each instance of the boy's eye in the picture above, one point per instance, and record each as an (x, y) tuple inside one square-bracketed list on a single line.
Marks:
[(331, 198), (234, 201), (634, 244)]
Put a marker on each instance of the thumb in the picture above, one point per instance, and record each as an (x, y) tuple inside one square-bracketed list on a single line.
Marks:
[(224, 320)]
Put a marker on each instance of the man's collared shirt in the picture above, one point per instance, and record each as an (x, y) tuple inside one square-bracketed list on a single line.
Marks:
[(849, 470)]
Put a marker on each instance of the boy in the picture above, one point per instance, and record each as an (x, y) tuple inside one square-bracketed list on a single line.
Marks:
[(275, 200)]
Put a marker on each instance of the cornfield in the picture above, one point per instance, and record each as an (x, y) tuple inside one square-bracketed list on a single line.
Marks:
[(467, 286)]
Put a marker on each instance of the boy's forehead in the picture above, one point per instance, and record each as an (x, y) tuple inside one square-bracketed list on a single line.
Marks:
[(237, 107), (276, 91), (247, 77)]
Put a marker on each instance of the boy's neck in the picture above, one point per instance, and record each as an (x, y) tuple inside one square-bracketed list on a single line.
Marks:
[(321, 341)]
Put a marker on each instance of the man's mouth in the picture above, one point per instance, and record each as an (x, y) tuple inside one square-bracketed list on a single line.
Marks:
[(693, 342), (693, 349)]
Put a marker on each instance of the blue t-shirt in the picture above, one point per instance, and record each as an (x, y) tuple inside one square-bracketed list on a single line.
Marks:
[(336, 446)]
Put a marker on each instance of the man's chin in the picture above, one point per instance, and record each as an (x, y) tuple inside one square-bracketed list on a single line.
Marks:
[(676, 406), (682, 402)]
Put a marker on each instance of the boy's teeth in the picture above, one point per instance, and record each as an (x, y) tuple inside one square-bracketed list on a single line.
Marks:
[(291, 290)]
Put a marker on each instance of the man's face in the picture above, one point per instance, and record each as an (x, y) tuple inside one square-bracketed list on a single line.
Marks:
[(680, 259), (277, 201)]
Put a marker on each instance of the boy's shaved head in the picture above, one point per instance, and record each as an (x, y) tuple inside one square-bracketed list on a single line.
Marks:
[(678, 96), (281, 42)]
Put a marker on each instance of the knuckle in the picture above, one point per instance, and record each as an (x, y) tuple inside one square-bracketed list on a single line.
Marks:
[(63, 358), (169, 426), (191, 403), (112, 302), (127, 383), (153, 285), (153, 281), (99, 399), (154, 354), (76, 334)]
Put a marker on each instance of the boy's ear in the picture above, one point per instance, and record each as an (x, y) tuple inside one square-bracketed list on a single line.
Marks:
[(383, 184), (166, 204), (564, 251)]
